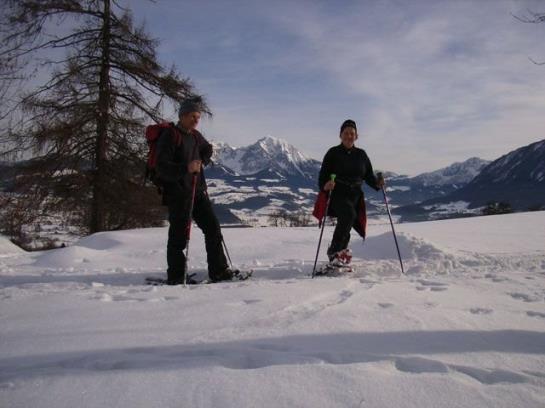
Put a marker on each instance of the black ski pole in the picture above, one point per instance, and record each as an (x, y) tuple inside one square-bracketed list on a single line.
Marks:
[(226, 251), (188, 228), (392, 224), (323, 225)]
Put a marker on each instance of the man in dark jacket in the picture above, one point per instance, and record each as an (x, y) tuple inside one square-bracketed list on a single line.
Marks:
[(352, 167), (182, 152)]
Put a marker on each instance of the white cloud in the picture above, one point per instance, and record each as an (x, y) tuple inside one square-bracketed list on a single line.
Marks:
[(450, 75), (429, 82)]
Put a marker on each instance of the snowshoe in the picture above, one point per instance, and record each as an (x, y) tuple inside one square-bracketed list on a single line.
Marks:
[(190, 280), (242, 275), (229, 276), (233, 275), (332, 269)]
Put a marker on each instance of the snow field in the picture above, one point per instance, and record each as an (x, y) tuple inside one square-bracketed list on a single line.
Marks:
[(464, 328)]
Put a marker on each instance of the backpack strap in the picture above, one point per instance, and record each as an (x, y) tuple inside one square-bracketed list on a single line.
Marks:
[(176, 134)]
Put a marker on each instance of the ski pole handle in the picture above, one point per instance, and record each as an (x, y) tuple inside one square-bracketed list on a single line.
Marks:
[(331, 180), (380, 180)]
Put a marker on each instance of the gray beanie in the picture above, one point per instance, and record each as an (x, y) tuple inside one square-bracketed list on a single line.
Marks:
[(191, 104)]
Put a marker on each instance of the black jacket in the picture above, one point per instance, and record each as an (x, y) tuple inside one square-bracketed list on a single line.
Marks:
[(173, 159), (351, 166)]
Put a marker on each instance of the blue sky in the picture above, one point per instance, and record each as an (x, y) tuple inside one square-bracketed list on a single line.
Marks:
[(428, 82)]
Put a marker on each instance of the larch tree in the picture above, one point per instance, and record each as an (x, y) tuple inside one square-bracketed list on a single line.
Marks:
[(84, 123)]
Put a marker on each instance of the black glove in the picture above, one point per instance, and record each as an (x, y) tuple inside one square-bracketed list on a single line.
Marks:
[(205, 152)]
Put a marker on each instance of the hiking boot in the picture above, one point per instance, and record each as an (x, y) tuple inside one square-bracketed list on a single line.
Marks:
[(341, 258), (346, 256), (226, 275)]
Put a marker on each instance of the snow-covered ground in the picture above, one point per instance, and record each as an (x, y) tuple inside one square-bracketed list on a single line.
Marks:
[(464, 328)]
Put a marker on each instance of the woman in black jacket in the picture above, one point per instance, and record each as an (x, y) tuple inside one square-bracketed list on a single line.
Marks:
[(352, 167)]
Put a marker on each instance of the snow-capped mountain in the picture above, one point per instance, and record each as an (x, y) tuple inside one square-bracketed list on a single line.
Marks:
[(457, 173), (268, 153), (523, 165), (268, 176), (517, 178), (405, 190)]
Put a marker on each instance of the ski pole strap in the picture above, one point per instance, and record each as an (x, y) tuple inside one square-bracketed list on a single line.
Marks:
[(332, 178)]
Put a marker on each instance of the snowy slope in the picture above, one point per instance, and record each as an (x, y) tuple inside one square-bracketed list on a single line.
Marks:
[(464, 328), (7, 248)]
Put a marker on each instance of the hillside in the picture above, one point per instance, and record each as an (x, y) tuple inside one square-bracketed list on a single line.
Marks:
[(516, 178)]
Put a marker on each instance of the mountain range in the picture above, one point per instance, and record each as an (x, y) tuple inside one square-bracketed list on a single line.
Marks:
[(271, 176), (405, 190), (247, 184), (516, 178)]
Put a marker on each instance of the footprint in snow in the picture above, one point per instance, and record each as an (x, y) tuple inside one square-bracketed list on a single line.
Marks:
[(495, 278), (424, 282), (344, 296), (524, 297), (430, 305), (490, 377), (386, 305), (431, 285), (480, 310), (251, 301), (531, 313), (418, 365)]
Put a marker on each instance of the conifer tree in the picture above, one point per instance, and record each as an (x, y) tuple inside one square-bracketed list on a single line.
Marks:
[(85, 123)]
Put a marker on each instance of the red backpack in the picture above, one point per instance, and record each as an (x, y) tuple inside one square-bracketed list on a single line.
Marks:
[(152, 136)]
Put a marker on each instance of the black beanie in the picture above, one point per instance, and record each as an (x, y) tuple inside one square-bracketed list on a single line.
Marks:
[(349, 123)]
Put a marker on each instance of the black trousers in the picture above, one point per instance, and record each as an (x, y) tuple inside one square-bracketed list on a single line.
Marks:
[(206, 220), (344, 205)]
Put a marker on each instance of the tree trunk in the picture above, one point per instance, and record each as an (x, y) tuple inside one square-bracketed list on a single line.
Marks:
[(97, 222)]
